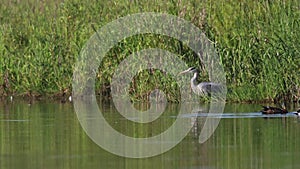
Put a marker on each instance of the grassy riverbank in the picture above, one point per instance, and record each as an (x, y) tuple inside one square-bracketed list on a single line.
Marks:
[(258, 43)]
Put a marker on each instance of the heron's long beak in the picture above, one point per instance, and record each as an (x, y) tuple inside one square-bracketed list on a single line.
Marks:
[(183, 72)]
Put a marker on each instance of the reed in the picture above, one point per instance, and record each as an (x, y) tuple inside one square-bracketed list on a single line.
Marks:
[(258, 43)]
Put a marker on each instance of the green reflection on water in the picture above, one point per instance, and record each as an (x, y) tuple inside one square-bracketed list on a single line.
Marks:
[(48, 135)]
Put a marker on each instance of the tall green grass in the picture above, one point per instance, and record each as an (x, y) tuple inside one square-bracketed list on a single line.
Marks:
[(258, 43)]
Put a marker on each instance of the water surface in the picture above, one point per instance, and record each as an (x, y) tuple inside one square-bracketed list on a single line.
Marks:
[(48, 135)]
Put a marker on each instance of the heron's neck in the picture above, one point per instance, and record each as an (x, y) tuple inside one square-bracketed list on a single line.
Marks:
[(194, 79)]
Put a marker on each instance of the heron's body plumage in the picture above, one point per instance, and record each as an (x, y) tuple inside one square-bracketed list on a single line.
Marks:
[(203, 88)]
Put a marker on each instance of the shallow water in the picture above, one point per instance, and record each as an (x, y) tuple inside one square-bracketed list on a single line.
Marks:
[(49, 135)]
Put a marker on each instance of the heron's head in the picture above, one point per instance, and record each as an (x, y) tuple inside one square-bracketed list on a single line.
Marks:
[(189, 70)]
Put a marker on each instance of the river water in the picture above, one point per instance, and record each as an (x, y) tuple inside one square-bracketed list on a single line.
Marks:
[(48, 135)]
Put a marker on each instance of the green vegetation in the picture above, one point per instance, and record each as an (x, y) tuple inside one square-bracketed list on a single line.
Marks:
[(258, 43)]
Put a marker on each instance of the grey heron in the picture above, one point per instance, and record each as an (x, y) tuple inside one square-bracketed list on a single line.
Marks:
[(203, 88)]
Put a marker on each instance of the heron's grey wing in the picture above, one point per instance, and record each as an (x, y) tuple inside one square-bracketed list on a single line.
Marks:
[(210, 87)]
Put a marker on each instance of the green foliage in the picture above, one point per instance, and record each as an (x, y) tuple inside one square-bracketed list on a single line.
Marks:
[(258, 43)]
